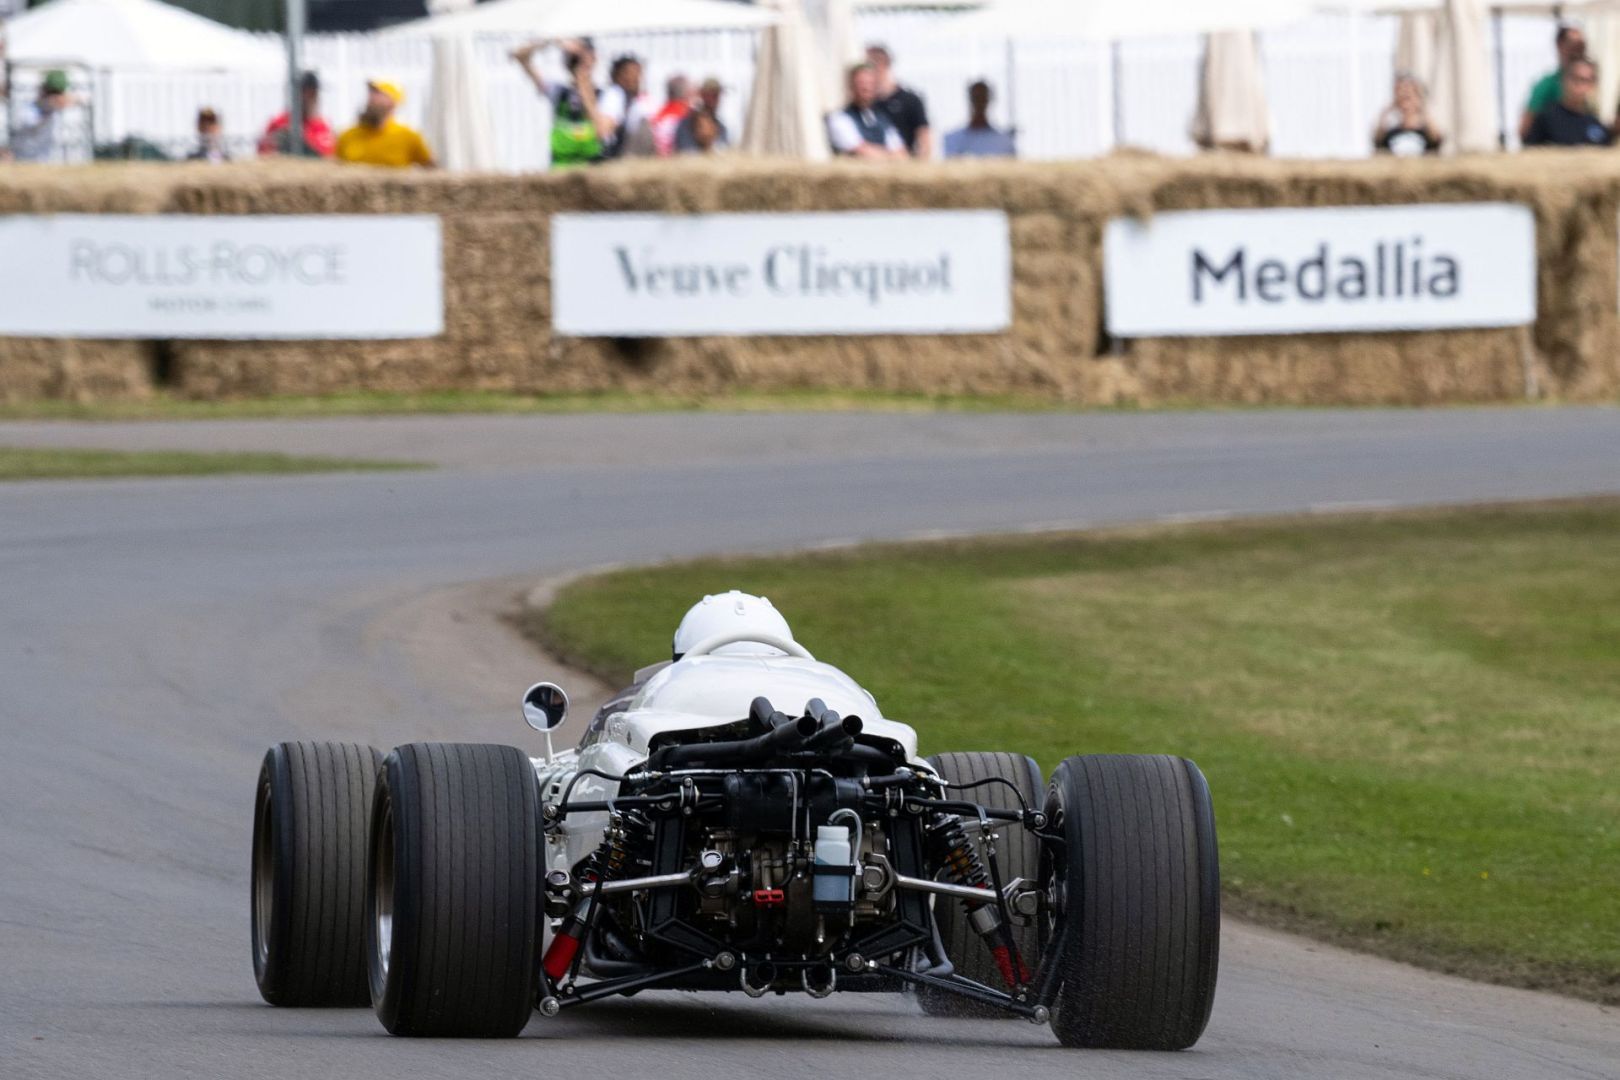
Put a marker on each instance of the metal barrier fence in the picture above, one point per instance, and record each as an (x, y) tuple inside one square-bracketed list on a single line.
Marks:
[(1327, 79)]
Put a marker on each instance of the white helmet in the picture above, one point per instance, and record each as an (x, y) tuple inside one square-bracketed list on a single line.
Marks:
[(730, 613)]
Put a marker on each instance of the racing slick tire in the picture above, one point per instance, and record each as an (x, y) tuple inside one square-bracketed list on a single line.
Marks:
[(1018, 855), (312, 804), (1138, 879), (452, 897)]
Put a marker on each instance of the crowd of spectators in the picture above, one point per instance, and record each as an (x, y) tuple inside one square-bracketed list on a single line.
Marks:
[(1561, 109), (881, 119)]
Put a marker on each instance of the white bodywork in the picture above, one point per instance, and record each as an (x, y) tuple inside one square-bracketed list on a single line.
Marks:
[(696, 692)]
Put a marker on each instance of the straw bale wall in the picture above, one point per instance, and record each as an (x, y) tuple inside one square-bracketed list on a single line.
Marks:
[(497, 284)]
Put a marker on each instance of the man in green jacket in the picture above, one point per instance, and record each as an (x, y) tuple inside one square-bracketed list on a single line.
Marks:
[(1571, 44)]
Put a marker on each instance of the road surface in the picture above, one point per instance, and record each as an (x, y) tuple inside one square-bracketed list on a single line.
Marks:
[(156, 635)]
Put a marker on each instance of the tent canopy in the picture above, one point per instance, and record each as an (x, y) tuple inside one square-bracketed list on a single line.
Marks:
[(120, 35), (575, 18), (1113, 20)]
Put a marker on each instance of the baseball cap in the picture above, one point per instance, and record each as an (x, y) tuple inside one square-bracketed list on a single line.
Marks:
[(387, 89), (55, 82)]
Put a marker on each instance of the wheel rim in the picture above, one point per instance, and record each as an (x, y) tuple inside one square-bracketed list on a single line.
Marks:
[(382, 889), (264, 878)]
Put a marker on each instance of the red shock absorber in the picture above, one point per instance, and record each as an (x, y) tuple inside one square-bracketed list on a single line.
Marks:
[(965, 868), (605, 864)]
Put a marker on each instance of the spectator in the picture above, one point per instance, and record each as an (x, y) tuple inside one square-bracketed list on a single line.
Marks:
[(210, 139), (1570, 42), (623, 104), (1569, 121), (904, 107), (665, 122), (578, 129), (37, 136), (318, 140), (379, 139), (1405, 128), (860, 129), (705, 133), (708, 102), (979, 138)]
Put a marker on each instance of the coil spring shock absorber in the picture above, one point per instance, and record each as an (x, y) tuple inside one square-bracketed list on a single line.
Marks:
[(964, 867), (603, 865)]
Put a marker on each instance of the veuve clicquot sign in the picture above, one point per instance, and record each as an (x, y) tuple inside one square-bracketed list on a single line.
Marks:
[(1284, 271)]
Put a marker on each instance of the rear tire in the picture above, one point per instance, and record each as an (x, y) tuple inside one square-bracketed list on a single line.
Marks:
[(452, 911), (1139, 881), (308, 876), (1018, 855)]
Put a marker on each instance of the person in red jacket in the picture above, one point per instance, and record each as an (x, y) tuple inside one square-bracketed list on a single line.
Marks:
[(318, 138)]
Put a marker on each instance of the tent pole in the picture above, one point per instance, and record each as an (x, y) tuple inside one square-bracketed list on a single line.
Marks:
[(1012, 94), (11, 123), (297, 11), (1501, 80), (1119, 104)]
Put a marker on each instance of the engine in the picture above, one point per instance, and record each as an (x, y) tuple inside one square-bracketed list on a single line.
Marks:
[(763, 855)]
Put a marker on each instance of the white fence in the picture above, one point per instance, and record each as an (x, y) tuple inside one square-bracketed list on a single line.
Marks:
[(1326, 78)]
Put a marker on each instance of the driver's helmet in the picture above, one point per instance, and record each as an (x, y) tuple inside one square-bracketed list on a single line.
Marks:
[(729, 613)]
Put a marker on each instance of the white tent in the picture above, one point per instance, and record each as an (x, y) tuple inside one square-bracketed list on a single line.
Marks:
[(124, 35), (832, 26), (1460, 97), (786, 107), (1115, 20), (575, 18), (1447, 44), (458, 125), (1232, 112)]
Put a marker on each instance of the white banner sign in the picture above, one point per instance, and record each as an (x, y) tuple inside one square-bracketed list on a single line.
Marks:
[(866, 272), (1322, 269), (175, 276)]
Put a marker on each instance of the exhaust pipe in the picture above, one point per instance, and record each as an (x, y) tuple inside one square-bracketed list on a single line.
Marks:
[(756, 981)]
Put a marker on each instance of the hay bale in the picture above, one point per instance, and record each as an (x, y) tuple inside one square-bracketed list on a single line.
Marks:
[(497, 281), (44, 369)]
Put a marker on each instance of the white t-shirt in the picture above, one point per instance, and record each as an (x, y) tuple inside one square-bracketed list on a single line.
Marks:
[(38, 133), (846, 136), (626, 112)]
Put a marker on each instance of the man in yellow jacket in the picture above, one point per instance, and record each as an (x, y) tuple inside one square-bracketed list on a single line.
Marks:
[(379, 139)]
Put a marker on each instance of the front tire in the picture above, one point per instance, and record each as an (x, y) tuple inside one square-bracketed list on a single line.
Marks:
[(308, 878), (1018, 856), (452, 903), (1137, 879)]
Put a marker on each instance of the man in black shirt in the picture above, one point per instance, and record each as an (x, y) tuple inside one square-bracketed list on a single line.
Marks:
[(1569, 120), (904, 107)]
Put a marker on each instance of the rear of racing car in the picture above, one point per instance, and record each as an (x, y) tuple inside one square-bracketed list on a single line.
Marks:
[(798, 851)]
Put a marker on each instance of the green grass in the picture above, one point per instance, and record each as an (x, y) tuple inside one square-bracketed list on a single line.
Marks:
[(28, 463), (1411, 723), (168, 407)]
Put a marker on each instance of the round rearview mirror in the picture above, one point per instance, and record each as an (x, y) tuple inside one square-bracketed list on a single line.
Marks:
[(545, 706)]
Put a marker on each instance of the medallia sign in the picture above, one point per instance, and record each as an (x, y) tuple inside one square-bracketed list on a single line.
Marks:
[(1218, 272), (179, 276), (867, 272)]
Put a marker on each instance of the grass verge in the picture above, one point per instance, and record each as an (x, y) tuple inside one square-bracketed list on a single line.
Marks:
[(168, 407), (46, 463), (1411, 723)]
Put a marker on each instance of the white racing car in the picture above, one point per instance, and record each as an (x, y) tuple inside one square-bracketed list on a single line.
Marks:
[(741, 818)]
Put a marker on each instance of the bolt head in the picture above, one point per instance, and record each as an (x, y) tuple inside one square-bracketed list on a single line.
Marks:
[(550, 1006)]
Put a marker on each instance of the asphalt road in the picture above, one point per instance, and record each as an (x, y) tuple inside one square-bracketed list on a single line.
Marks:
[(156, 635)]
